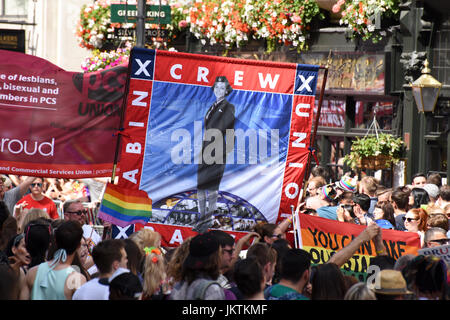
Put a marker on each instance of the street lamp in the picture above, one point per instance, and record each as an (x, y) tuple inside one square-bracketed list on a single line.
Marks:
[(426, 90)]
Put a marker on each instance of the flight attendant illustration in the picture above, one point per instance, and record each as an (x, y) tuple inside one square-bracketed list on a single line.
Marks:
[(218, 118)]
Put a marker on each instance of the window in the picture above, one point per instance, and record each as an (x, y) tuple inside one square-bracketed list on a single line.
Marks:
[(14, 8)]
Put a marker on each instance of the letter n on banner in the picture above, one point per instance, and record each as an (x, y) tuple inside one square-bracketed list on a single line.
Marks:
[(299, 137), (136, 120)]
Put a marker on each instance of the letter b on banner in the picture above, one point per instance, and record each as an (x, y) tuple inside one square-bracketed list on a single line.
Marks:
[(135, 148)]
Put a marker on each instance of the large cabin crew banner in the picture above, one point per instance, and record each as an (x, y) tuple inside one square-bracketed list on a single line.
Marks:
[(216, 142), (56, 123)]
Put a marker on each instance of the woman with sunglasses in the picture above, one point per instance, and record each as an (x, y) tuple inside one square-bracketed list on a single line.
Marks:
[(416, 221)]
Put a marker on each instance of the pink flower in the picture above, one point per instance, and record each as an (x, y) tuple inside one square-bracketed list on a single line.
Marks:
[(182, 24), (296, 19), (336, 8)]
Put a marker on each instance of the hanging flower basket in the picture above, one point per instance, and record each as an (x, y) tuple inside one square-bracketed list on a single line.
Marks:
[(374, 152)]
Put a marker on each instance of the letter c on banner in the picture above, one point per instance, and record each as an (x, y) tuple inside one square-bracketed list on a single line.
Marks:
[(287, 190), (172, 71)]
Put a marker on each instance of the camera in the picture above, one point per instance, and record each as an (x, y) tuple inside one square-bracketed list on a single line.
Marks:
[(349, 208)]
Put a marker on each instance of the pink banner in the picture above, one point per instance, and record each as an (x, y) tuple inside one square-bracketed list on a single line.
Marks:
[(57, 123)]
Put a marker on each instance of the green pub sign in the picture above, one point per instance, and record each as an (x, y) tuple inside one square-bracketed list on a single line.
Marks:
[(121, 13)]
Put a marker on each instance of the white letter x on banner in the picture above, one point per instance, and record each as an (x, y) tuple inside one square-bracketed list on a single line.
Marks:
[(122, 232), (305, 83), (142, 67)]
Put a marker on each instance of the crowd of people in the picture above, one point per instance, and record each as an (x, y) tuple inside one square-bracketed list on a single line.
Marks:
[(50, 251)]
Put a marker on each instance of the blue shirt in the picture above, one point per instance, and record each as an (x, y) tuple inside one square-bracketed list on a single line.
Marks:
[(328, 212)]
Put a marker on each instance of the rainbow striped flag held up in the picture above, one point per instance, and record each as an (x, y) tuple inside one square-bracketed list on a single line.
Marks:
[(123, 207)]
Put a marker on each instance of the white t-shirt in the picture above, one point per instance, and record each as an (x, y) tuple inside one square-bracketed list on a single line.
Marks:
[(94, 290)]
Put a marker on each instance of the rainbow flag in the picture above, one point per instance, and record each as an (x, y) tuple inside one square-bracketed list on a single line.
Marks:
[(123, 207)]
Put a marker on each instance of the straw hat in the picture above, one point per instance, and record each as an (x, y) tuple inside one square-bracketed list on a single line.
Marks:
[(389, 282)]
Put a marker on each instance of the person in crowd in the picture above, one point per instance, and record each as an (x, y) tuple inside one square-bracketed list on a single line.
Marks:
[(135, 258), (399, 200), (56, 279), (200, 270), (295, 266), (33, 214), (369, 185), (359, 291), (18, 257), (7, 183), (111, 260), (146, 238), (246, 241), (74, 210), (125, 286), (249, 277), (444, 196), (12, 196), (37, 199), (327, 282), (314, 185), (403, 261), (328, 195), (416, 221), (319, 171), (427, 277), (434, 178), (85, 259), (267, 259), (384, 215), (176, 261), (226, 242), (17, 252), (38, 238), (439, 220), (419, 198), (154, 275), (266, 232), (361, 207), (383, 194), (432, 191), (435, 237), (281, 246), (389, 285), (346, 184), (419, 180)]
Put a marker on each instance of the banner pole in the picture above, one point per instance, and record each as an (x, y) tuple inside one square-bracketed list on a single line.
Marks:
[(313, 137), (122, 116)]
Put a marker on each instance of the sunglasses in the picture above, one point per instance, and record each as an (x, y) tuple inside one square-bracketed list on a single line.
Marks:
[(410, 219), (441, 241), (36, 185), (278, 236), (79, 212)]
